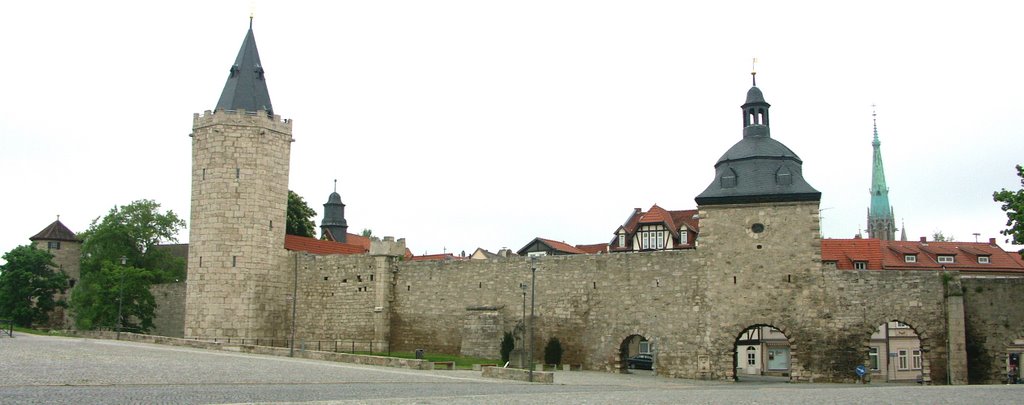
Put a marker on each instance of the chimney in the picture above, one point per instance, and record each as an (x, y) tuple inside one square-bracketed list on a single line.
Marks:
[(992, 241), (924, 239)]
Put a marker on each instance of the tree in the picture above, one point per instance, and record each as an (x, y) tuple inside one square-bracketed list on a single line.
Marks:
[(298, 222), (28, 283), (508, 343), (553, 351), (100, 294), (367, 232), (1013, 205), (939, 237), (134, 232)]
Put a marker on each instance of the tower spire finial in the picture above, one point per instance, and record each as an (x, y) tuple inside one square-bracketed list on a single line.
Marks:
[(335, 185), (753, 71), (874, 120)]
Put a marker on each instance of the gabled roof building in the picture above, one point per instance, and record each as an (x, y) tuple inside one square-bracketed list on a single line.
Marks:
[(969, 258), (656, 229)]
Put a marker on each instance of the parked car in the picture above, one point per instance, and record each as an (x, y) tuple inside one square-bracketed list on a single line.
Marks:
[(640, 361)]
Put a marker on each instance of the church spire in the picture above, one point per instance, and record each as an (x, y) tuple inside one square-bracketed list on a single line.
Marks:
[(246, 87), (881, 224)]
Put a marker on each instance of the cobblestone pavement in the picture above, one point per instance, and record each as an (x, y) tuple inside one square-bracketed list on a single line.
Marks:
[(42, 369)]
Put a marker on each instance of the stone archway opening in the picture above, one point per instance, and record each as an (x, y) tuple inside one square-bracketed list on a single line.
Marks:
[(896, 354), (762, 353), (636, 352)]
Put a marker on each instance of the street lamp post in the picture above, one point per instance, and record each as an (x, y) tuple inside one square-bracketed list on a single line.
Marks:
[(533, 294), (522, 353), (120, 296)]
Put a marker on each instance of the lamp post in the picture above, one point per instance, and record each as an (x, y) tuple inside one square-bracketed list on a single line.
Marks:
[(120, 296), (522, 353), (533, 294)]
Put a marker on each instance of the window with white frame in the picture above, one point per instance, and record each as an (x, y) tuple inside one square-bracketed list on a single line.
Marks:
[(860, 265), (945, 259), (902, 359), (873, 358), (53, 245), (645, 347), (652, 237), (622, 240), (751, 356), (983, 260), (915, 358), (910, 258), (683, 237)]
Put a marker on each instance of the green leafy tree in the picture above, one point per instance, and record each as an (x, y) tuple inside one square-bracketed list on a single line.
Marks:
[(299, 214), (553, 351), (367, 232), (508, 342), (938, 236), (133, 232), (28, 282), (98, 297), (1013, 205)]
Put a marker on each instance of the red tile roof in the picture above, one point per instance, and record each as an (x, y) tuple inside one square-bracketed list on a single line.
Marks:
[(892, 255), (322, 247), (561, 246), (673, 220), (594, 248), (846, 251)]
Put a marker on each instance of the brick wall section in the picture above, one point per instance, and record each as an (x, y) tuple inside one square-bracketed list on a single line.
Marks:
[(236, 285), (994, 321), (169, 317)]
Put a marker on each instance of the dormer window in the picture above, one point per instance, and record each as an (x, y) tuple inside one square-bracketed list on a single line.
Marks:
[(652, 237), (910, 258), (984, 260), (860, 265), (683, 237), (945, 259), (622, 240)]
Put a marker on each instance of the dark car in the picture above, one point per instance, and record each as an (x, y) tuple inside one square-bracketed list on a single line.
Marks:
[(640, 361)]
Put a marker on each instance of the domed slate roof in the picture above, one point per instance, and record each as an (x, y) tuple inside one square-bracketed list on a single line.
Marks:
[(757, 168)]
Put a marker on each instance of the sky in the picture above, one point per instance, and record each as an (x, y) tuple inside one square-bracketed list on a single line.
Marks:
[(466, 124)]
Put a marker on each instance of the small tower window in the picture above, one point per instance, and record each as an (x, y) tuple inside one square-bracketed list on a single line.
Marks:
[(53, 245), (204, 173), (234, 261), (783, 177), (238, 173)]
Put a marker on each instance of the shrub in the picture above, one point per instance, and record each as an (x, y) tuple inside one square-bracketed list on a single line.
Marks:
[(507, 344), (553, 351)]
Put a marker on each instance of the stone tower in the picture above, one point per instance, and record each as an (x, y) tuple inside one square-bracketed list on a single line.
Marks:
[(66, 249), (334, 223), (759, 205), (881, 221), (240, 160)]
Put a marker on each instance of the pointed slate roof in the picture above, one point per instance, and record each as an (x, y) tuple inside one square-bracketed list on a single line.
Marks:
[(55, 231), (246, 87)]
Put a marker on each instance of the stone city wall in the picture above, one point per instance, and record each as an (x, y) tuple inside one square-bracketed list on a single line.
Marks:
[(995, 325), (169, 316)]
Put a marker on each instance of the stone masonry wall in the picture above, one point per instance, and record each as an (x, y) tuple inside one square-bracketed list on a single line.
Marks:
[(169, 316), (68, 260), (336, 299), (236, 283), (995, 325)]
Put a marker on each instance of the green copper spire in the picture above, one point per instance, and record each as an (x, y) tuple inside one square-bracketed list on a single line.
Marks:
[(881, 224)]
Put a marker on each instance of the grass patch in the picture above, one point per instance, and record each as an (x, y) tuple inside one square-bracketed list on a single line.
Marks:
[(461, 362)]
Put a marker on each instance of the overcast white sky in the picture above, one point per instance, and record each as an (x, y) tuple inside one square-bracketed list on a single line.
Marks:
[(464, 124)]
